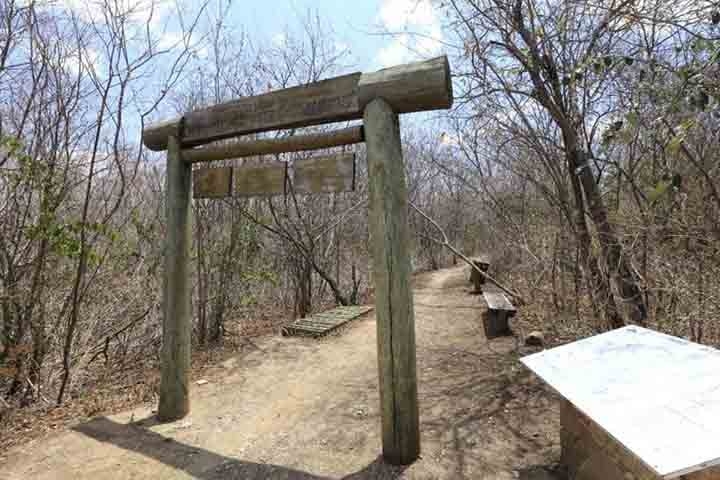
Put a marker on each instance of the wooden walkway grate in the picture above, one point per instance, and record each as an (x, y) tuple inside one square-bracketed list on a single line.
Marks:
[(323, 323)]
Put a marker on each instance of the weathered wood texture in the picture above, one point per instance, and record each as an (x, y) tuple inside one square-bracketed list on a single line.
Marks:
[(656, 394), (303, 105), (413, 87), (321, 324), (212, 182), (263, 179), (295, 143), (476, 278), (407, 88), (333, 173), (175, 368), (326, 174), (496, 321), (390, 244), (484, 258), (498, 301), (590, 453)]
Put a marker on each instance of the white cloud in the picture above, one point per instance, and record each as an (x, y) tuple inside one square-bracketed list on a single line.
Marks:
[(414, 28), (395, 52), (447, 139), (279, 39), (341, 46), (142, 16), (136, 11), (84, 60), (397, 14)]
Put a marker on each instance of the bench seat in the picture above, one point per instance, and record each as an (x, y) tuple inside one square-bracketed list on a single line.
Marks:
[(499, 311), (498, 301)]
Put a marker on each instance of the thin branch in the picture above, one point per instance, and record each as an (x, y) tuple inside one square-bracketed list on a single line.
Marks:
[(446, 243)]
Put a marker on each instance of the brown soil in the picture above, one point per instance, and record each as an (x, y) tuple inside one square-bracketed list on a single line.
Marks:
[(308, 409)]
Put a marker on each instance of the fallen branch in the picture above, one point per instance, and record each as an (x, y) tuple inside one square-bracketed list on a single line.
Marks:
[(446, 243), (37, 391)]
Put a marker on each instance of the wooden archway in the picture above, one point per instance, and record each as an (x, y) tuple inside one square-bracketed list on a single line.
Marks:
[(377, 98)]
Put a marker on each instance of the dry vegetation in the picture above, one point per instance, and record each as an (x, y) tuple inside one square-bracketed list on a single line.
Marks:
[(581, 153)]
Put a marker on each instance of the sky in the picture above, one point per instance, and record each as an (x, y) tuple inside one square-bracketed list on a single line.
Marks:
[(357, 24), (377, 33)]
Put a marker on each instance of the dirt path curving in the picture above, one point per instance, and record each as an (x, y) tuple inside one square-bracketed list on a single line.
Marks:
[(307, 409)]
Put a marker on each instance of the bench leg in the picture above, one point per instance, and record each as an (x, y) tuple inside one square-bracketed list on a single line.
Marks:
[(495, 323)]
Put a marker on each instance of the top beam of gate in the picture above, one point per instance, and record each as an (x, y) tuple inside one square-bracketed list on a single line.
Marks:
[(407, 88)]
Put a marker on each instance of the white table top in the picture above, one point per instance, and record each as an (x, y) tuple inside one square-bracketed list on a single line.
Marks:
[(656, 394)]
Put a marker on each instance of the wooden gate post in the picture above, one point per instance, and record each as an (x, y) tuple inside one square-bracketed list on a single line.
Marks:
[(175, 368), (389, 237)]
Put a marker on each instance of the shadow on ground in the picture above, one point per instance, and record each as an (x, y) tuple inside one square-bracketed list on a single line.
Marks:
[(499, 419), (204, 464), (483, 415), (542, 472)]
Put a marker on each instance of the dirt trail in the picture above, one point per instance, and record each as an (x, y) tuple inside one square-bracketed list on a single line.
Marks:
[(308, 409)]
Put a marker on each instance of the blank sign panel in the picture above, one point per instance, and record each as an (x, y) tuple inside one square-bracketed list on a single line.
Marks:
[(656, 394)]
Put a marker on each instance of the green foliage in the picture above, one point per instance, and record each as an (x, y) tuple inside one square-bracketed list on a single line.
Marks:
[(261, 276), (658, 191), (668, 184), (632, 119), (64, 237), (256, 276), (681, 132), (674, 144), (23, 168), (676, 181), (621, 131)]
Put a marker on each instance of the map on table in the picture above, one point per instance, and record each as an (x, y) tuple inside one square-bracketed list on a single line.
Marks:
[(656, 394), (325, 322)]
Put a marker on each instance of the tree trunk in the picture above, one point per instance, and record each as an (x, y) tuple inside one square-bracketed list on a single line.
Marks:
[(560, 104), (599, 287), (617, 262)]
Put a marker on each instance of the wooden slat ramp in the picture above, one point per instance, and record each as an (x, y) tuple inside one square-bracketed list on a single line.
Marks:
[(323, 323)]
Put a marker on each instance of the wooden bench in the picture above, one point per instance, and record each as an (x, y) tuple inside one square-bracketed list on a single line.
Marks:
[(476, 278), (637, 404), (499, 311)]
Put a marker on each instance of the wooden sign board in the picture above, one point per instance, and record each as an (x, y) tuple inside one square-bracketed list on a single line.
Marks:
[(406, 88), (212, 182), (257, 180), (326, 174), (291, 107)]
